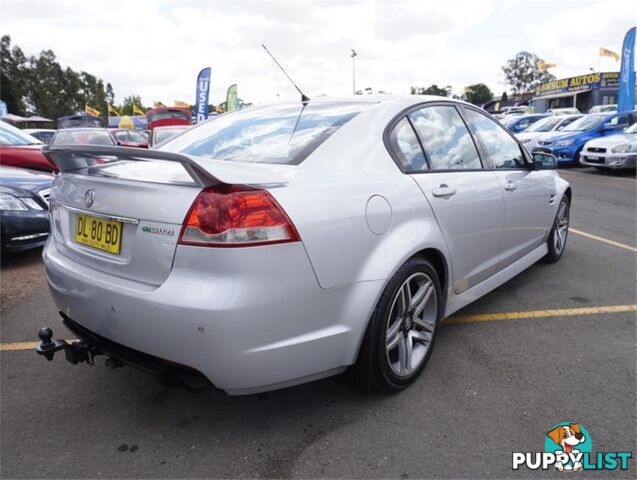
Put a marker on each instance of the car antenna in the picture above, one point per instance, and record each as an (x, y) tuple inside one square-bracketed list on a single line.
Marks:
[(304, 98)]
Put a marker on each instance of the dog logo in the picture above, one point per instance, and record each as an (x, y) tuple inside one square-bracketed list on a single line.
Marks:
[(569, 437), (568, 448)]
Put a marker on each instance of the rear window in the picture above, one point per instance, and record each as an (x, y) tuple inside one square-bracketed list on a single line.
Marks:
[(283, 134), (89, 136)]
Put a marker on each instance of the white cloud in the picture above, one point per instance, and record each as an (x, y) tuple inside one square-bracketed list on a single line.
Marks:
[(156, 48)]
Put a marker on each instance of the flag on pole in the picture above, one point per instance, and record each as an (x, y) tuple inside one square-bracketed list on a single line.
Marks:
[(202, 95), (91, 111), (179, 103), (545, 66), (232, 101), (137, 110), (605, 52), (113, 110)]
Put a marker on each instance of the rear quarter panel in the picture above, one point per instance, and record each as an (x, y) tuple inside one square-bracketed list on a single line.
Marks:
[(327, 201)]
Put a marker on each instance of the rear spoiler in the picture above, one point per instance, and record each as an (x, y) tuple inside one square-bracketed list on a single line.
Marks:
[(76, 157)]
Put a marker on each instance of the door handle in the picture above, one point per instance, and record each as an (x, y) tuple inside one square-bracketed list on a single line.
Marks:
[(509, 187), (443, 191)]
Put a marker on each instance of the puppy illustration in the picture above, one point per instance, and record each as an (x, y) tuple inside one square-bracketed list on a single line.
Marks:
[(567, 437)]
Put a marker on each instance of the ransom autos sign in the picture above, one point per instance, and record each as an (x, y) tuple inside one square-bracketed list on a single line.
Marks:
[(580, 83)]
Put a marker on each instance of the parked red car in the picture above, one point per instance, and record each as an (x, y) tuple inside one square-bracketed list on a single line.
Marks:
[(165, 116), (18, 149), (125, 137)]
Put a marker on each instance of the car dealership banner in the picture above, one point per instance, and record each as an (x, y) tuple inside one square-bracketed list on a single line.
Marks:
[(626, 92), (580, 83), (203, 90)]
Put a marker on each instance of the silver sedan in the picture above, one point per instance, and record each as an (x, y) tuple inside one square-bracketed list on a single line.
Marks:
[(281, 244)]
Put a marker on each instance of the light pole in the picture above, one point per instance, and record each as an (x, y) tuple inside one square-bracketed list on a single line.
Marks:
[(353, 55)]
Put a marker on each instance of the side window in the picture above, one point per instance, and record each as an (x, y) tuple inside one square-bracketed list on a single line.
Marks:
[(405, 144), (445, 138), (121, 136), (503, 150), (137, 137)]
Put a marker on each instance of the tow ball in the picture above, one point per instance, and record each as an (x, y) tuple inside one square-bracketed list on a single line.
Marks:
[(75, 352)]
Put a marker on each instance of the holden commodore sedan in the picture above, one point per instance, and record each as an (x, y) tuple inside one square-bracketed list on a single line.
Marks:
[(282, 244)]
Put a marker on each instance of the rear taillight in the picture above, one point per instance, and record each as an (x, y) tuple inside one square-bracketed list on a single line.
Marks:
[(236, 216)]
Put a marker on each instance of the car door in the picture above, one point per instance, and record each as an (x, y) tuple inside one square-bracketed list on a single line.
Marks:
[(529, 194), (439, 153)]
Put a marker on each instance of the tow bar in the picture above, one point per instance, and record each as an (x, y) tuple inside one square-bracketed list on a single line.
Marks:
[(90, 345), (76, 352)]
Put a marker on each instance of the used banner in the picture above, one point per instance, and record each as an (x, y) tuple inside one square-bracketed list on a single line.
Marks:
[(203, 90)]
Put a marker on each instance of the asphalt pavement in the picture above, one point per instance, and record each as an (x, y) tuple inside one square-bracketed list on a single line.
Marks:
[(492, 387)]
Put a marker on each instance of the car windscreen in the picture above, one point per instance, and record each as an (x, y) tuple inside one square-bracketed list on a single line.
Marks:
[(585, 123), (79, 121), (162, 134), (284, 134), (166, 115), (89, 136), (631, 129), (11, 136), (508, 122), (544, 125)]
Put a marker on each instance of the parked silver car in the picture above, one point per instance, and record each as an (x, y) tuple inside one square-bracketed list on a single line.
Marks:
[(286, 243), (615, 151), (554, 123)]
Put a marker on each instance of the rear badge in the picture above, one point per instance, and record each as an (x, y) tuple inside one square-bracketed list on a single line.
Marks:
[(159, 230)]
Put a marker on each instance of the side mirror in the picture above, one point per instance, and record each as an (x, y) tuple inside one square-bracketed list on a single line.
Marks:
[(544, 161)]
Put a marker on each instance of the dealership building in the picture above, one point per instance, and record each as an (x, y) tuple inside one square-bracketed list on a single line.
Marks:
[(582, 92)]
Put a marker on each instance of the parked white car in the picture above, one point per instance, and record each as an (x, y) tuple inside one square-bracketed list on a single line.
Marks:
[(281, 244), (530, 136), (614, 151), (563, 111), (610, 108)]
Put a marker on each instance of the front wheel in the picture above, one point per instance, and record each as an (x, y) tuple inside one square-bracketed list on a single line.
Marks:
[(402, 330), (557, 238)]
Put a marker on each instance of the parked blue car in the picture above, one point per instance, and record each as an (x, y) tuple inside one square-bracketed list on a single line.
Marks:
[(519, 123), (567, 144)]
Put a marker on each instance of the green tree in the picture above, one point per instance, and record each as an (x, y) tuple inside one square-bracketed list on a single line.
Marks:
[(39, 84), (478, 94), (430, 90), (127, 106), (13, 74), (523, 75)]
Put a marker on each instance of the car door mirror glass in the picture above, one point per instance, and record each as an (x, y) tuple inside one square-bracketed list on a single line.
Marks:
[(544, 161)]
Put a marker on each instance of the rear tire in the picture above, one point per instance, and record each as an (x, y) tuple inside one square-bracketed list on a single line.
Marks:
[(402, 331), (556, 242)]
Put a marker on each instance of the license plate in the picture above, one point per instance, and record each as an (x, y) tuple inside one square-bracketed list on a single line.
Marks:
[(99, 233), (592, 157)]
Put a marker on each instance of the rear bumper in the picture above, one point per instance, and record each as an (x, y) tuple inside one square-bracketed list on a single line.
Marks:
[(24, 230), (249, 319)]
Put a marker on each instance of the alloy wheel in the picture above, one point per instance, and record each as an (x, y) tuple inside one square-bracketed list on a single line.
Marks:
[(561, 228), (410, 324)]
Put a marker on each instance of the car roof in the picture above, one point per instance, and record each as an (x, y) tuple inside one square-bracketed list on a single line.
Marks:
[(83, 129)]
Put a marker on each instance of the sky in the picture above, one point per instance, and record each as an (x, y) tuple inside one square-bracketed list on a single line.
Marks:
[(156, 48)]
